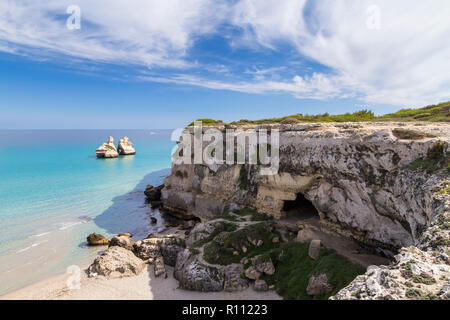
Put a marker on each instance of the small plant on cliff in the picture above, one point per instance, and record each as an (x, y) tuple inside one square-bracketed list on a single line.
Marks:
[(244, 183), (437, 159)]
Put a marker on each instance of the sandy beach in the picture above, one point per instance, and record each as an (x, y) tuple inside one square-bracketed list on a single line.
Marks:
[(144, 286)]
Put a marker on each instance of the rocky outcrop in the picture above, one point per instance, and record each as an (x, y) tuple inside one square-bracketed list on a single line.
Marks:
[(233, 278), (415, 275), (153, 194), (107, 150), (122, 241), (116, 262), (125, 147), (157, 245), (95, 239), (192, 274), (355, 175)]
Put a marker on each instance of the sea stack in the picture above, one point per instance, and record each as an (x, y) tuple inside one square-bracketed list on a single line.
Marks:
[(125, 147), (107, 150)]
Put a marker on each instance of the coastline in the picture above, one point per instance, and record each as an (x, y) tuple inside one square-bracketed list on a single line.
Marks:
[(144, 286)]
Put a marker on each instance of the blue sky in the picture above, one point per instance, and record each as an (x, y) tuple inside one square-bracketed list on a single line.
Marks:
[(153, 64)]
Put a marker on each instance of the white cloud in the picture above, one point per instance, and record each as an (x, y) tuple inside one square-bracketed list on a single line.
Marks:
[(405, 62)]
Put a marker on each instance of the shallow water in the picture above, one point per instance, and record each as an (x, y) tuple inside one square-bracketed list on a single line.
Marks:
[(54, 192)]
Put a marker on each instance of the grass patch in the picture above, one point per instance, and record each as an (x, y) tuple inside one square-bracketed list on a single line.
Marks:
[(437, 159), (207, 122), (221, 249), (420, 295), (435, 113), (223, 227), (407, 134), (293, 273)]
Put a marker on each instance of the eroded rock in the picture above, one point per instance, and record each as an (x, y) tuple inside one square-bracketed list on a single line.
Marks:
[(194, 275), (263, 264), (318, 285), (153, 193), (116, 262), (107, 150), (233, 278), (95, 239), (125, 147), (122, 241), (314, 249)]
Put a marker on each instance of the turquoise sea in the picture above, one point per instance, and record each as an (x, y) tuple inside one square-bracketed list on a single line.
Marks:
[(54, 192)]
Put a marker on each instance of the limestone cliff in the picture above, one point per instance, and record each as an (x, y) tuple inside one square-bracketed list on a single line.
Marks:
[(370, 182)]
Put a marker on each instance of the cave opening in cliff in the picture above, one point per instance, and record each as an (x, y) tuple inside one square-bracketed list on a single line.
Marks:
[(300, 208)]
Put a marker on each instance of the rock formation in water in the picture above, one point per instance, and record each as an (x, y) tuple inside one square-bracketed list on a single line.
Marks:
[(125, 147), (107, 150), (366, 182), (95, 239)]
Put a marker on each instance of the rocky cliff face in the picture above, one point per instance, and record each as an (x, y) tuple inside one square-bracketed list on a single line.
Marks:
[(368, 181), (356, 176)]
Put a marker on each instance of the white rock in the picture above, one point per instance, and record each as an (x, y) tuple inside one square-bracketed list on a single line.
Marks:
[(107, 150), (125, 147)]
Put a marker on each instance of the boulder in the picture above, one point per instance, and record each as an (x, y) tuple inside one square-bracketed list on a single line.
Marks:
[(125, 147), (126, 234), (194, 275), (107, 150), (156, 245), (263, 264), (318, 285), (261, 285), (233, 278), (252, 273), (95, 239), (314, 249), (122, 241), (153, 193), (116, 262)]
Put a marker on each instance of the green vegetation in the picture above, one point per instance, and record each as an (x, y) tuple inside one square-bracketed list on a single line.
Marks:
[(222, 248), (244, 183), (293, 274), (227, 244), (432, 113), (446, 189), (363, 115), (437, 159), (220, 227), (437, 113), (420, 295), (207, 122), (407, 134)]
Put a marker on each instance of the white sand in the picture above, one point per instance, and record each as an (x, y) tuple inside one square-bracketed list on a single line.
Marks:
[(145, 286)]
